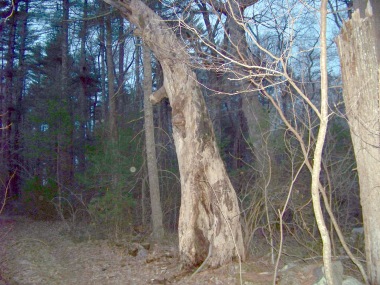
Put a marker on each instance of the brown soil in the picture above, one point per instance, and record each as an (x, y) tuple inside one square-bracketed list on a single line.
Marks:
[(42, 252)]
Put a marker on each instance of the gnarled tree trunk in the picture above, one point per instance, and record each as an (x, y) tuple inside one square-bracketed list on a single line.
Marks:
[(209, 226)]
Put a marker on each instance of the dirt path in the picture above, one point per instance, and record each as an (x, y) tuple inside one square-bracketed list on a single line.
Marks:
[(36, 252)]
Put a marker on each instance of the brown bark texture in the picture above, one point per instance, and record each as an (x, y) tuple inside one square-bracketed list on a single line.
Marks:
[(359, 51), (209, 226), (83, 92), (64, 138), (112, 119), (151, 158), (254, 113), (8, 107)]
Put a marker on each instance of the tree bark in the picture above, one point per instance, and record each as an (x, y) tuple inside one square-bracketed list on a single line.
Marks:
[(209, 226), (112, 118), (154, 186), (359, 51), (121, 98), (254, 113), (102, 51), (9, 106), (317, 159), (137, 100), (215, 79), (83, 75), (64, 136), (19, 91)]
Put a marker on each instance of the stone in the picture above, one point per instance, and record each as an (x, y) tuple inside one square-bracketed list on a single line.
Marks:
[(351, 281), (337, 268)]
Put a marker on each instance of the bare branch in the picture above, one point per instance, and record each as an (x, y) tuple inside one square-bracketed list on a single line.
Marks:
[(158, 95)]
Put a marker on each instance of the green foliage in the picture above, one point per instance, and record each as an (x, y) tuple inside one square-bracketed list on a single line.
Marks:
[(113, 209), (339, 132), (38, 196), (109, 179), (106, 159)]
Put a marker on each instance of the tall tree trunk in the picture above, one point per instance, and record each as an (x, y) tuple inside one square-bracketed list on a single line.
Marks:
[(64, 139), (359, 50), (209, 226), (83, 75), (150, 146), (215, 80), (137, 74), (19, 98), (9, 106), (254, 113), (112, 112), (120, 103), (121, 44), (235, 115), (102, 52), (112, 116), (317, 159)]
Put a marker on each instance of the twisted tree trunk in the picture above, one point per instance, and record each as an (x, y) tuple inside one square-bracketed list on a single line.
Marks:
[(209, 226)]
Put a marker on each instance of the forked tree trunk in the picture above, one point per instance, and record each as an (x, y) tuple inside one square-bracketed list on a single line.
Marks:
[(359, 50), (209, 226)]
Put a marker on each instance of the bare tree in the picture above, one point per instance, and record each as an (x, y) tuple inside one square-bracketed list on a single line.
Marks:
[(209, 226), (317, 161), (272, 69)]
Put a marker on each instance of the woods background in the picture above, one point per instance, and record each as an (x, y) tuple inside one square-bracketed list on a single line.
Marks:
[(73, 147)]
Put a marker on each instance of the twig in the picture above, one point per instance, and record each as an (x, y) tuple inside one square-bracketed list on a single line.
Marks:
[(204, 262), (6, 192)]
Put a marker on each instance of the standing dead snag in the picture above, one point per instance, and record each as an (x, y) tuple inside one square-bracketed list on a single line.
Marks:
[(359, 51), (209, 225)]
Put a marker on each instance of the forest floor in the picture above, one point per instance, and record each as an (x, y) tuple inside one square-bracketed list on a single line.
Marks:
[(42, 252)]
